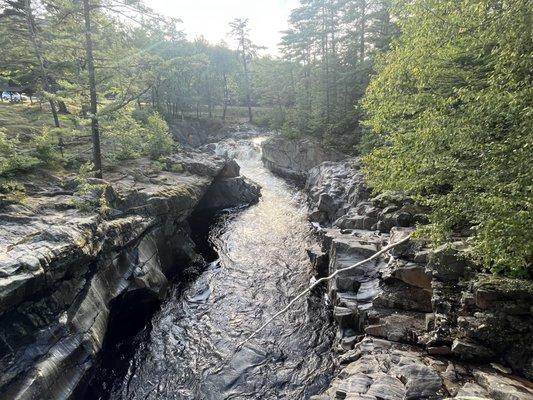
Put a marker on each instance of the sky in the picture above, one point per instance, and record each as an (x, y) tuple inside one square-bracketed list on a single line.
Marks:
[(211, 18)]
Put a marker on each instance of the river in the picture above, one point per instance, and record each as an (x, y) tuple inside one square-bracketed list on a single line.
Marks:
[(189, 350)]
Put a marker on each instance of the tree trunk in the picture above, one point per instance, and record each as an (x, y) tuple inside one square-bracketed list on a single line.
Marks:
[(97, 153), (334, 64), (62, 107), (226, 97), (32, 31), (247, 80), (248, 96), (325, 62), (362, 32)]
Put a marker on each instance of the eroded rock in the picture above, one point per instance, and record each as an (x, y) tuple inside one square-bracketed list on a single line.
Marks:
[(293, 158), (61, 268), (432, 297)]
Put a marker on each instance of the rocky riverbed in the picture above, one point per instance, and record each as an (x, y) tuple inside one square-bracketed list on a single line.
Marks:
[(190, 349), (419, 322), (62, 267)]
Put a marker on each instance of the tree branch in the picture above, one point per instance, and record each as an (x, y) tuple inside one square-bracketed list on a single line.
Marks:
[(318, 282)]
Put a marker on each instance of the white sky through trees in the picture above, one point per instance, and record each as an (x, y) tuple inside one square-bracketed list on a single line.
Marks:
[(211, 18)]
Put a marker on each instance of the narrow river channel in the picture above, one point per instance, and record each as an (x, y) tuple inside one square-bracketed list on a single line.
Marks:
[(188, 350)]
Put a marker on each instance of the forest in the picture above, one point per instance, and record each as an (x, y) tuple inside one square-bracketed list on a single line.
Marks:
[(434, 95)]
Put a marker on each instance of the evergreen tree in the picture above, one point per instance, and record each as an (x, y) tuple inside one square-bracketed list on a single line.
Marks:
[(247, 50), (334, 42)]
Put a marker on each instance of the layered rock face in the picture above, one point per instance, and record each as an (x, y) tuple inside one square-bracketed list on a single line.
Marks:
[(381, 369), (399, 314), (417, 323), (196, 133), (339, 196), (62, 269), (293, 158)]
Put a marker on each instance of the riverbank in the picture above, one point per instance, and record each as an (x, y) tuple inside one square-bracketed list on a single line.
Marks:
[(190, 347), (69, 255), (418, 322)]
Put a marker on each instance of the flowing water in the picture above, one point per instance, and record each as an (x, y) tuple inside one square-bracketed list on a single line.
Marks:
[(190, 350)]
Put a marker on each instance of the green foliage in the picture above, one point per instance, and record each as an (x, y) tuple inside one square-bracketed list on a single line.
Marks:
[(89, 196), (11, 192), (12, 160), (332, 44), (451, 111), (159, 140), (141, 115), (46, 147), (157, 166), (123, 135), (127, 137), (273, 119), (177, 168)]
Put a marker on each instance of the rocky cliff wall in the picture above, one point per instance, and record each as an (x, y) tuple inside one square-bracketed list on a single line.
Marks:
[(293, 158), (442, 328), (61, 269), (196, 133), (419, 322)]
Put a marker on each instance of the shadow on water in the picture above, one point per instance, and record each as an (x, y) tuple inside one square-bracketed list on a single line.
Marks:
[(129, 327), (258, 263), (130, 320)]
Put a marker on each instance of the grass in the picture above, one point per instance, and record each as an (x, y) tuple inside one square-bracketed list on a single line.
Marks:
[(24, 122), (21, 120)]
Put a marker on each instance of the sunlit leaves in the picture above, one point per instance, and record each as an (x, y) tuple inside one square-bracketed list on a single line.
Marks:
[(452, 104)]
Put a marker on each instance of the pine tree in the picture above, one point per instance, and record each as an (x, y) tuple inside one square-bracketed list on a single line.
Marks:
[(248, 50)]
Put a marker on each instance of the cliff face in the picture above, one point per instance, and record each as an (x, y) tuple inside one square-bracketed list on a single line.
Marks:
[(432, 297), (196, 133), (293, 158), (62, 269), (419, 322)]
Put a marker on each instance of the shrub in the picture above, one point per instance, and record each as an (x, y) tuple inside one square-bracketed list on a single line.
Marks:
[(11, 192), (46, 147), (89, 196), (142, 115), (159, 140), (11, 158), (123, 135)]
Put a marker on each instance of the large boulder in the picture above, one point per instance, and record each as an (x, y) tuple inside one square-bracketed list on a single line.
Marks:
[(229, 193), (293, 158)]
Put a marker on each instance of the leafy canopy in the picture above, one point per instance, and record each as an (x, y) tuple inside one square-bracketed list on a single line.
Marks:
[(451, 108)]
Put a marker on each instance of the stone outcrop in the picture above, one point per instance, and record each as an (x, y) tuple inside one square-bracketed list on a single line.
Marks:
[(418, 304), (61, 268), (293, 158), (378, 369), (196, 133), (338, 196)]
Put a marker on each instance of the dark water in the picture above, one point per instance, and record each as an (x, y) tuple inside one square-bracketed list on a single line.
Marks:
[(188, 351)]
